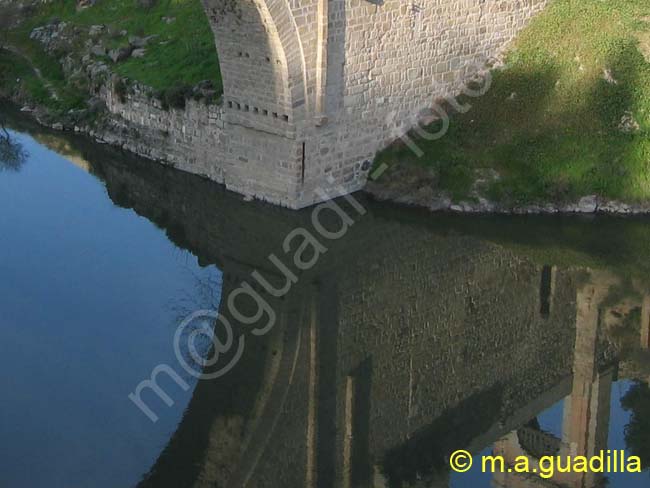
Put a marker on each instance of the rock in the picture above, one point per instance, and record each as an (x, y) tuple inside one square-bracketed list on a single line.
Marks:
[(96, 104), (98, 50), (614, 207), (97, 69), (628, 125), (96, 30), (139, 53), (204, 88), (442, 203), (81, 4), (120, 54), (137, 42), (169, 20), (57, 126), (484, 205), (588, 204)]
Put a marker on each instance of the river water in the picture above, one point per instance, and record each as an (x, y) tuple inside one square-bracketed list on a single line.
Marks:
[(385, 340)]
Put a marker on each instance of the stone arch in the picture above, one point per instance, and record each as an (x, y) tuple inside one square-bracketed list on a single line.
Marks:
[(261, 59)]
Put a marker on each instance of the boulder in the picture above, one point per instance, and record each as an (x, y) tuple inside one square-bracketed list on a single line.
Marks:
[(137, 42), (588, 204), (140, 42), (96, 30), (139, 53), (120, 54), (98, 50)]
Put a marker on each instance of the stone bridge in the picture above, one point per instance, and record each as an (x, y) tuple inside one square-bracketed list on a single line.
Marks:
[(314, 88)]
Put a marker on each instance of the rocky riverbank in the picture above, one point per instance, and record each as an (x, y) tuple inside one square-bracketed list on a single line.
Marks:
[(562, 126), (67, 74), (416, 187)]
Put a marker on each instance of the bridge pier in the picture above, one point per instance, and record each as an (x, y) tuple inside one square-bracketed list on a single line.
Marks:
[(313, 89)]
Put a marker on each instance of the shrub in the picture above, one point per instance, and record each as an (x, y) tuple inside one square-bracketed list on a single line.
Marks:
[(176, 96)]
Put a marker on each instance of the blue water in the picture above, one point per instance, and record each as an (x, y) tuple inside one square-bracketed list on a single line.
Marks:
[(90, 295)]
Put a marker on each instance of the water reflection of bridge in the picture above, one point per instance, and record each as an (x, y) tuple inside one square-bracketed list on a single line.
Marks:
[(402, 345)]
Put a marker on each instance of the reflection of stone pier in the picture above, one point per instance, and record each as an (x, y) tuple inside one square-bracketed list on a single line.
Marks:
[(385, 357), (585, 424), (645, 323)]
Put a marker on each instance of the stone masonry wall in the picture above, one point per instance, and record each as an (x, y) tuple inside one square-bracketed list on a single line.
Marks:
[(198, 140), (388, 62), (177, 137), (314, 88)]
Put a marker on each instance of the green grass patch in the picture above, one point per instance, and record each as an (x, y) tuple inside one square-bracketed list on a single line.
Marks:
[(181, 54), (549, 124)]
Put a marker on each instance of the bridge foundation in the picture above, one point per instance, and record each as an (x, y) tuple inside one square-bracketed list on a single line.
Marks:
[(313, 89)]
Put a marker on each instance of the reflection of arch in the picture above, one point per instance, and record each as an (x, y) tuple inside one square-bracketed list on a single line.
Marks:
[(585, 423), (191, 211), (261, 57), (229, 421)]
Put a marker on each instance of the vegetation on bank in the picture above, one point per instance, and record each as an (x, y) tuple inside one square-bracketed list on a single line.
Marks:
[(567, 116), (180, 50)]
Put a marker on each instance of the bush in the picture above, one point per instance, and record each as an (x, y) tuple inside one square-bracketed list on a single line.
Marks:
[(176, 96)]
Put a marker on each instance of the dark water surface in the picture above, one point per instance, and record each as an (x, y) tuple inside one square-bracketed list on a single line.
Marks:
[(401, 339)]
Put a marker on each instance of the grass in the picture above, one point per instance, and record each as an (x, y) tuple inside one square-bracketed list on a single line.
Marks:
[(16, 67), (182, 53), (549, 124)]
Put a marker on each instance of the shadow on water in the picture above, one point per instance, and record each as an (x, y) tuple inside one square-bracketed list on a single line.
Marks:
[(413, 335)]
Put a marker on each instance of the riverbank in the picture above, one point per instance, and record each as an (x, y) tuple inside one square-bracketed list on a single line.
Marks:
[(120, 73), (562, 126), (77, 46), (415, 187)]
